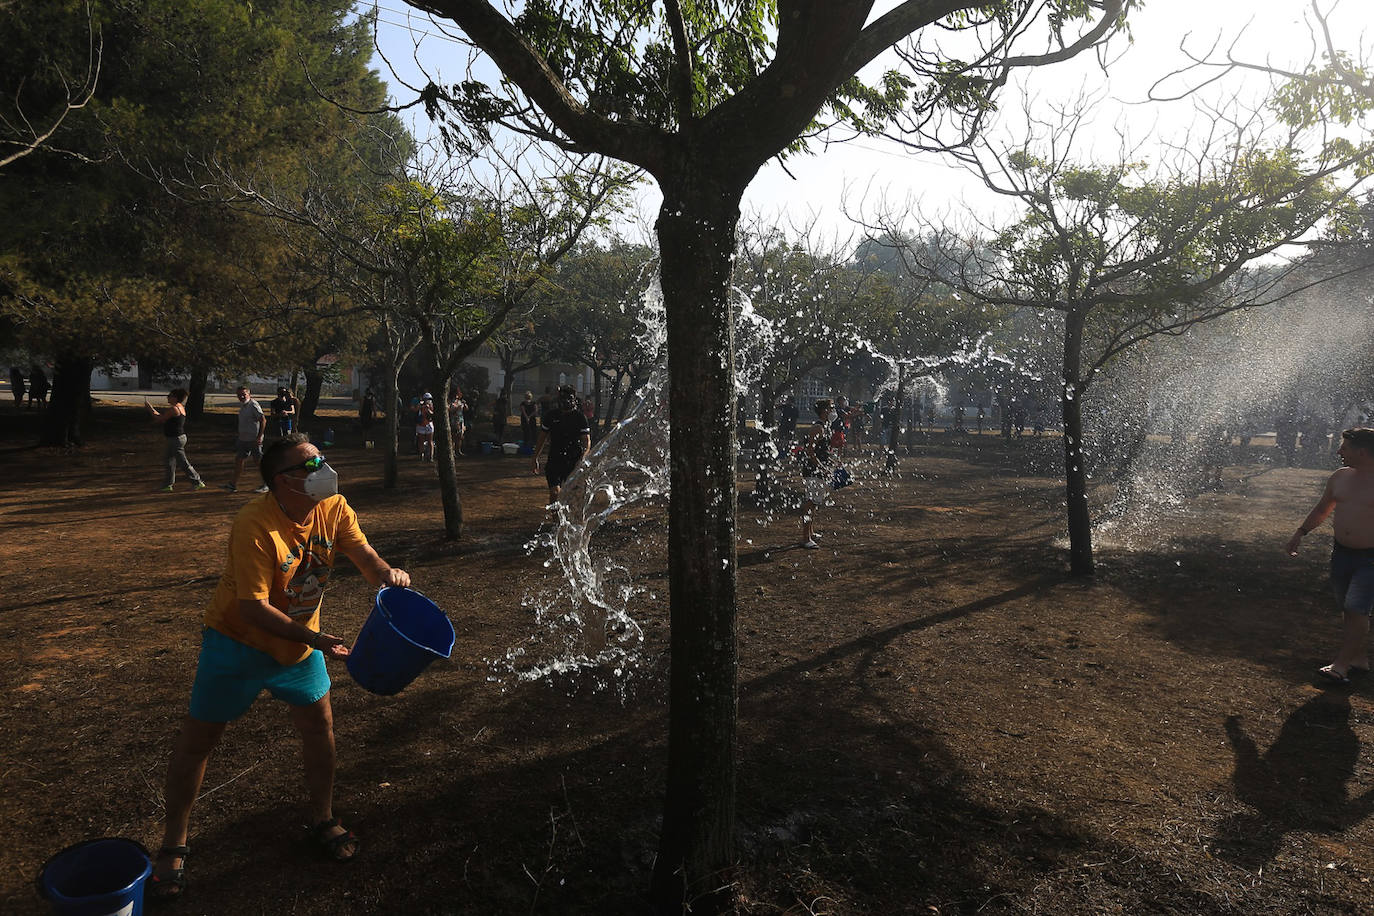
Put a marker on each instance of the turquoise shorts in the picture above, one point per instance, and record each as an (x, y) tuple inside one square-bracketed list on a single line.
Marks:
[(230, 675)]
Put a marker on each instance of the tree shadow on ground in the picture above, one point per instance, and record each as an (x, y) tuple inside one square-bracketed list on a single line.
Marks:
[(1298, 784), (1180, 586), (551, 796)]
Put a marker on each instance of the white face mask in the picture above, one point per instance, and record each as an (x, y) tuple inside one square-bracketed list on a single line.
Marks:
[(321, 483)]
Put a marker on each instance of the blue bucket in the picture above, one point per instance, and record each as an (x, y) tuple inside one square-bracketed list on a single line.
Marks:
[(97, 878), (404, 633)]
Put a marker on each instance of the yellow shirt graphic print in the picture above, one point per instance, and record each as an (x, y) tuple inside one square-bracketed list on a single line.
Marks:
[(305, 588)]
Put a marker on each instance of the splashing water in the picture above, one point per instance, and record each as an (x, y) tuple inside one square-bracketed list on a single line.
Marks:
[(1179, 412), (583, 619)]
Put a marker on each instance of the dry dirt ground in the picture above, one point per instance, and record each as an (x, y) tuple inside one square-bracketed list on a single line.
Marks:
[(934, 718)]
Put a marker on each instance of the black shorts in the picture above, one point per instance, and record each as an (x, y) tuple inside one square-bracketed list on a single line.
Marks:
[(558, 469)]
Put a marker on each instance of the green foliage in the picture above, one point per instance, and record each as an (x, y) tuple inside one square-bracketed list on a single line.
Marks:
[(188, 91), (622, 60), (1340, 92), (1093, 233), (1134, 253), (619, 56), (591, 318)]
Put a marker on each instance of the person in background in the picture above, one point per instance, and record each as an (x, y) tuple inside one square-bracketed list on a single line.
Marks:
[(173, 420), (424, 427), (283, 411), (17, 385), (787, 423), (38, 387), (295, 410), (471, 403), (367, 409), (1286, 437), (839, 427), (1349, 494), (529, 419), (457, 419), (252, 429), (817, 469), (569, 437), (262, 631)]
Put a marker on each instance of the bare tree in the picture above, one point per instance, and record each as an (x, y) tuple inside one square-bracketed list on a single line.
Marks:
[(1125, 252), (20, 136)]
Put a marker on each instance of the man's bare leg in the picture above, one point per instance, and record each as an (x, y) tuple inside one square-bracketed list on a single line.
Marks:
[(316, 726), (808, 522), (1354, 642), (185, 773), (238, 469)]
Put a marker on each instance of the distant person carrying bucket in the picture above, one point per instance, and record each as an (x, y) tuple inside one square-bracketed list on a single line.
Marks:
[(262, 631)]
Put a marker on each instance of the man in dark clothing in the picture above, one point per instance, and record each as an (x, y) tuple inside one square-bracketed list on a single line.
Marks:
[(569, 436), (283, 411), (17, 385), (367, 409), (787, 423), (38, 387)]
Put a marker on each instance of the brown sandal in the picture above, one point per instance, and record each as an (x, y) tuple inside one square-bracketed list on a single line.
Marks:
[(342, 847), (173, 885)]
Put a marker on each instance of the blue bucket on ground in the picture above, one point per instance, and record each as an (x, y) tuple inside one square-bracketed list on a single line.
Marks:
[(97, 878), (403, 634)]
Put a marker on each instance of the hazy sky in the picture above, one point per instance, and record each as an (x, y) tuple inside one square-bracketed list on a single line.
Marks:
[(876, 170)]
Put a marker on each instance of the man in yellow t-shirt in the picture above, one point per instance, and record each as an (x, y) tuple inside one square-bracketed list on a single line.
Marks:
[(262, 631)]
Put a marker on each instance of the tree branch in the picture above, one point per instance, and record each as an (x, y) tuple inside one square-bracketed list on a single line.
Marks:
[(630, 141)]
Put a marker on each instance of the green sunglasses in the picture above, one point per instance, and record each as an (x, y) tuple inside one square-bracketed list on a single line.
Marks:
[(310, 464)]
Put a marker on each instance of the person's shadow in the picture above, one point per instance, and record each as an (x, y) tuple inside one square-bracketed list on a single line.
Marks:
[(1298, 784)]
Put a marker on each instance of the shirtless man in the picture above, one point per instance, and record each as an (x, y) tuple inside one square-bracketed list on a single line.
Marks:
[(1350, 492)]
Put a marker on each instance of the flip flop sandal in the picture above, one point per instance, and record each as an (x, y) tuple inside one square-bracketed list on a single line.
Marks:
[(1326, 673), (173, 884), (335, 847)]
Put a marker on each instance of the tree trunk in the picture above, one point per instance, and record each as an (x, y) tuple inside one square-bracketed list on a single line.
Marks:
[(895, 422), (768, 410), (195, 400), (69, 403), (444, 451), (608, 416), (627, 396), (314, 382), (766, 461), (1075, 469), (393, 421), (696, 230), (596, 427), (507, 383), (441, 378)]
